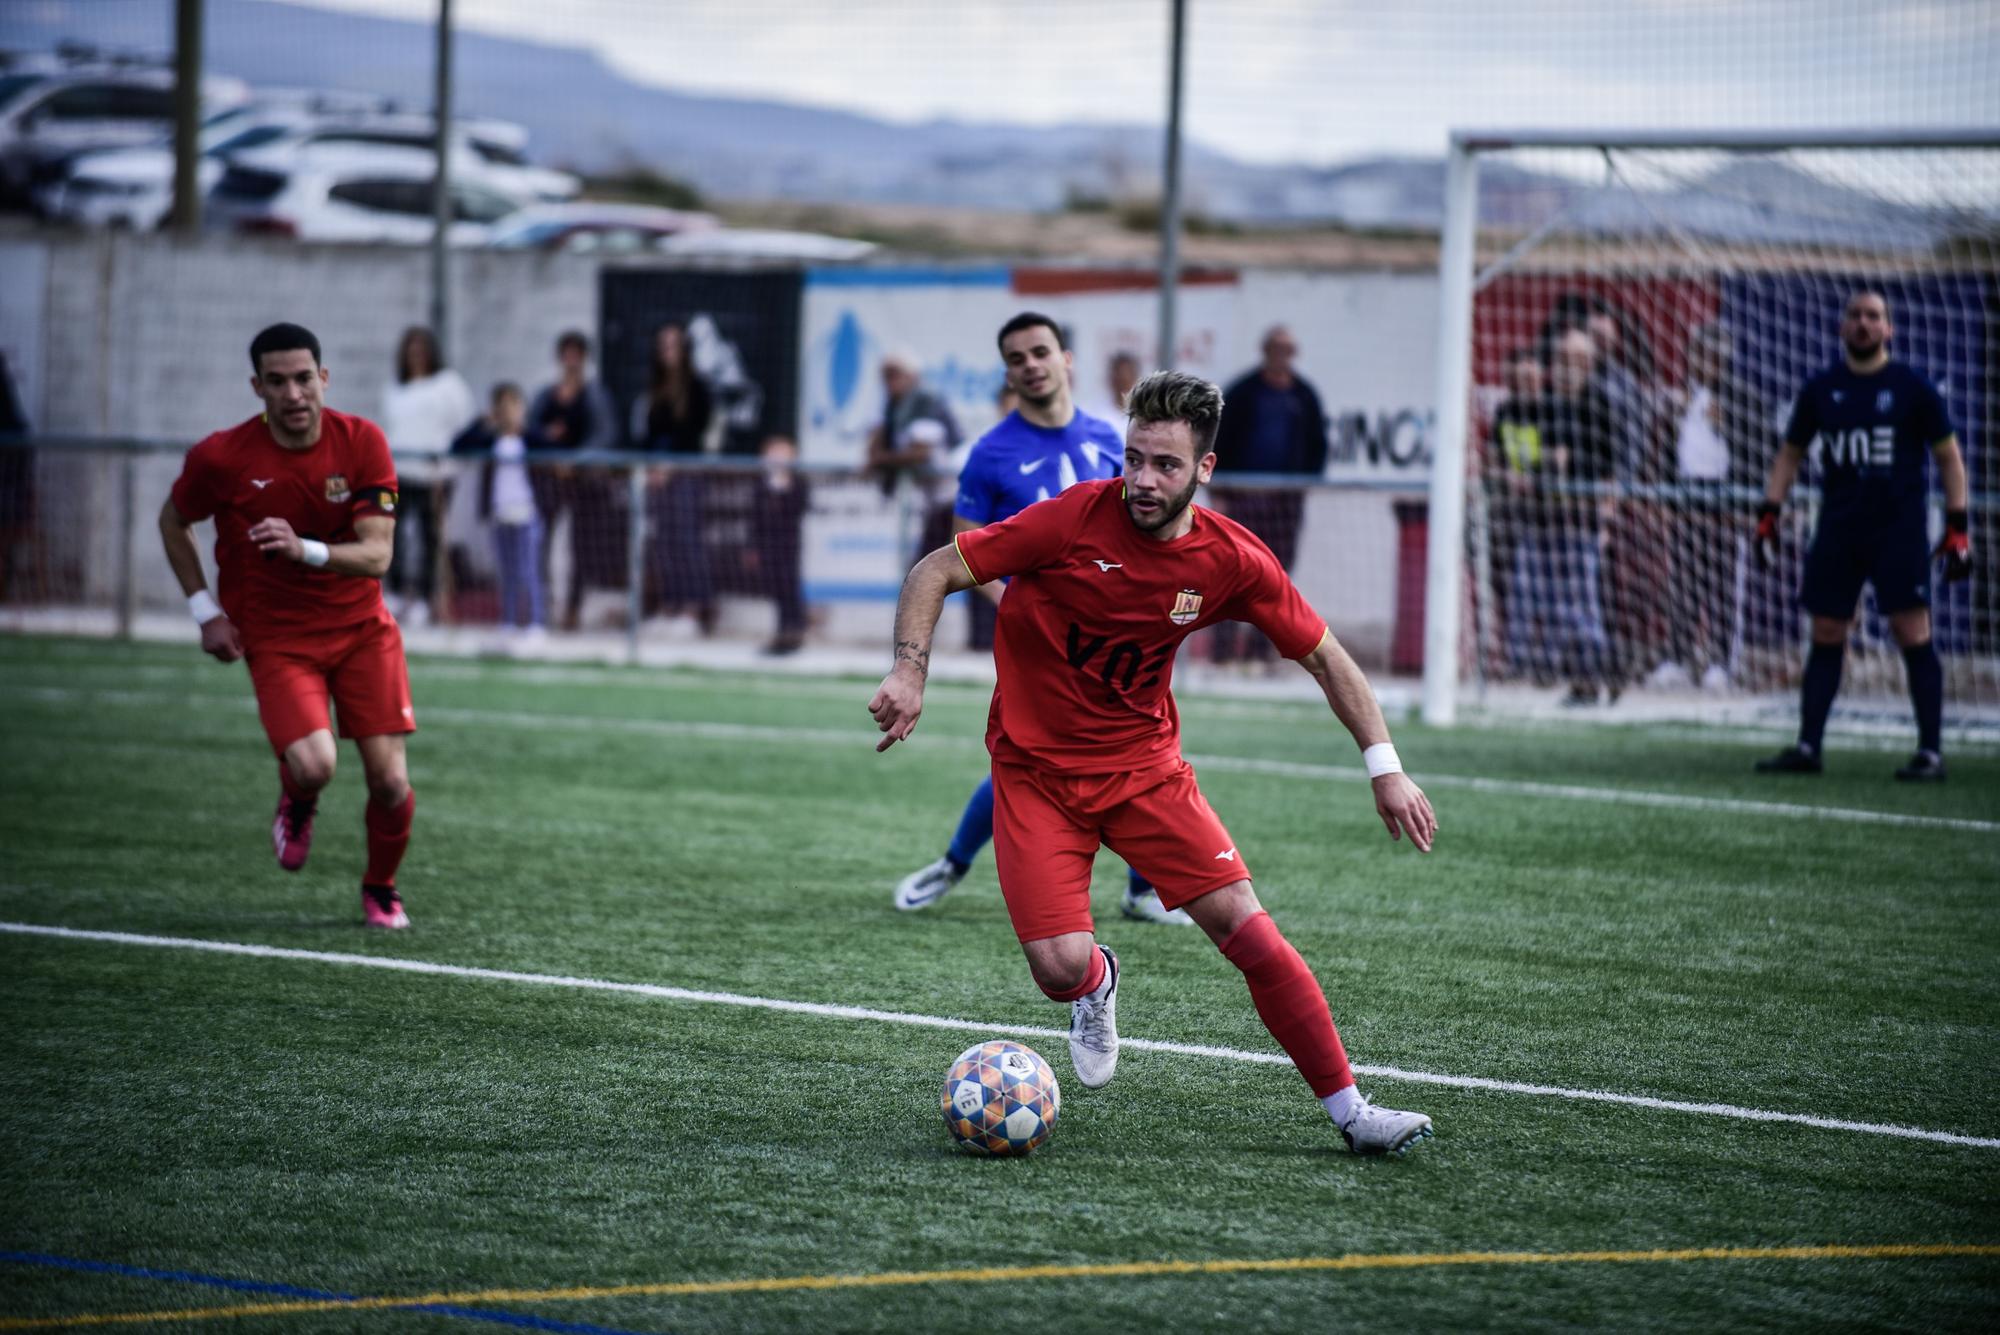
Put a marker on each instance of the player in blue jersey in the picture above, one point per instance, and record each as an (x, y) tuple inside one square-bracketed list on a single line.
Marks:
[(1873, 421), (1039, 450)]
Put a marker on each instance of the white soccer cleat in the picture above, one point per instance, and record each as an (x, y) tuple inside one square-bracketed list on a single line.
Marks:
[(1093, 1031), (1145, 906), (927, 885), (1374, 1130)]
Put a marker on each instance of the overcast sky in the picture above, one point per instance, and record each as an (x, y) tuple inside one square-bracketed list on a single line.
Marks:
[(1303, 80)]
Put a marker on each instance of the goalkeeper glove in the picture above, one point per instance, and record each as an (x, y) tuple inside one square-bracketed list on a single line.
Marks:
[(1956, 545), (1766, 541)]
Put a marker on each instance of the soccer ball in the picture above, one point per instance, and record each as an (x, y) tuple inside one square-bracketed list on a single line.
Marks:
[(1000, 1098)]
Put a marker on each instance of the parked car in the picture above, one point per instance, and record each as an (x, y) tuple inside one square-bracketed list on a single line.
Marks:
[(590, 227), (751, 243), (490, 153), (134, 187), (55, 117), (354, 193)]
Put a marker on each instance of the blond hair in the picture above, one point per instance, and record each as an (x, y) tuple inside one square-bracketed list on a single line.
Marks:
[(1176, 396)]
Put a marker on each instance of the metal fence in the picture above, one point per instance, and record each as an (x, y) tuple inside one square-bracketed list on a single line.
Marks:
[(631, 548)]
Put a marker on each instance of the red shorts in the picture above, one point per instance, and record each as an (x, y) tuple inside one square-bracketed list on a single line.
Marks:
[(360, 667), (1047, 827)]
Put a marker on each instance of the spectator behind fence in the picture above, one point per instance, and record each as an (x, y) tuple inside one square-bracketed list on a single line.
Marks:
[(777, 540), (894, 450), (514, 499), (1121, 372), (1720, 428), (1560, 563), (576, 414), (17, 488), (674, 415), (1272, 422), (677, 413), (1514, 463), (427, 406)]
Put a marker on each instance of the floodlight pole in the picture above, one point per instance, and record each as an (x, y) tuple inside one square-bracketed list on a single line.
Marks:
[(441, 187), (187, 118), (1170, 192)]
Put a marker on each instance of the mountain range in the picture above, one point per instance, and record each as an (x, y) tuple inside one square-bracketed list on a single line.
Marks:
[(584, 115)]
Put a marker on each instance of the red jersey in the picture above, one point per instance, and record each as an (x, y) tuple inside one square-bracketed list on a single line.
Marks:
[(1088, 630), (243, 475)]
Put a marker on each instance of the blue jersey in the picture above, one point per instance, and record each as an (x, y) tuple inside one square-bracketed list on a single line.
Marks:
[(1872, 433), (1018, 463)]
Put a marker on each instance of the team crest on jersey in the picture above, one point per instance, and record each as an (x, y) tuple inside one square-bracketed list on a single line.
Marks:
[(336, 488), (1187, 606), (1883, 401)]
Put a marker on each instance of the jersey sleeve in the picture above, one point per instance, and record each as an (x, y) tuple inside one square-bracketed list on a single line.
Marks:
[(1030, 540), (1804, 423), (374, 483), (195, 493), (1933, 418), (978, 497), (1266, 598)]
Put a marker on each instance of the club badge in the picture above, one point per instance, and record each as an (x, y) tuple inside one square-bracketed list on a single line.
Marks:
[(1187, 606), (336, 488)]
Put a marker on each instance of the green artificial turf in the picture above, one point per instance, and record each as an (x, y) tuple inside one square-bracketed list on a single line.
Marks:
[(377, 1133)]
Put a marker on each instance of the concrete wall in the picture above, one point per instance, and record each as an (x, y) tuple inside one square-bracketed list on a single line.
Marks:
[(145, 337)]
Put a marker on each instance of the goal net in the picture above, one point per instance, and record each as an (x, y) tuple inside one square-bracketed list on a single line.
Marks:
[(1639, 322)]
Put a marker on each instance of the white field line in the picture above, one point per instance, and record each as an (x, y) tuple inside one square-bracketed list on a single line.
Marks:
[(864, 1013), (859, 737)]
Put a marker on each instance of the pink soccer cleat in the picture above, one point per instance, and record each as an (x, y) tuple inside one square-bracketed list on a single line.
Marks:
[(292, 831), (381, 906)]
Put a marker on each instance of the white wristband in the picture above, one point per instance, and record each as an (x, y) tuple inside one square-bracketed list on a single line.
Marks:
[(203, 607), (1381, 759), (313, 552)]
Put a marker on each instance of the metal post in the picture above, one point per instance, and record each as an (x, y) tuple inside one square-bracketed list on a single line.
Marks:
[(1170, 193), (128, 563), (187, 118), (1444, 575), (635, 557), (441, 187)]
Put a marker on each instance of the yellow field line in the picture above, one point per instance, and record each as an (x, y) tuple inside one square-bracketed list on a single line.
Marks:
[(1128, 1269)]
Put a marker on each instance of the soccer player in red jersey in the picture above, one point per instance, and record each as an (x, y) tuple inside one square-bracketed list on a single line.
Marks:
[(1107, 580), (304, 503)]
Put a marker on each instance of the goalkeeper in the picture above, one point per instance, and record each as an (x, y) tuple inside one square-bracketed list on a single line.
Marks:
[(1873, 420)]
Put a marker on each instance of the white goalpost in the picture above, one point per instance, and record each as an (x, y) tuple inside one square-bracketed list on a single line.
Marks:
[(1625, 319)]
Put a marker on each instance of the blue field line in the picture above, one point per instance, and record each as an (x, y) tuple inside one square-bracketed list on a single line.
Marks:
[(523, 1320)]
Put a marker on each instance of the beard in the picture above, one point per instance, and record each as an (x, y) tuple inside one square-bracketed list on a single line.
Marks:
[(1863, 348), (1170, 509)]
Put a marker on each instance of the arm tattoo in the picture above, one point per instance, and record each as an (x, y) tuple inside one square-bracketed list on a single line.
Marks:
[(910, 651)]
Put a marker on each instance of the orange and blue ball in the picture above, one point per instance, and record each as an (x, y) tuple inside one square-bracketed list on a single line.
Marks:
[(1000, 1098)]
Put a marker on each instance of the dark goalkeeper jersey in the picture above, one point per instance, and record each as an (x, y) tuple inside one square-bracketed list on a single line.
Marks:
[(1872, 434)]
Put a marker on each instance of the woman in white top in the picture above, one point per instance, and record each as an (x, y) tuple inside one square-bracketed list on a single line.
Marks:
[(421, 413)]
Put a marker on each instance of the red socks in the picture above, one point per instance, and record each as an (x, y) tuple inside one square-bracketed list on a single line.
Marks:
[(1092, 980), (1290, 1003), (388, 836)]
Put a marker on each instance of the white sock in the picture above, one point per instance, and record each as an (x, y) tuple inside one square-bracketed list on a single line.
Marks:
[(1343, 1104)]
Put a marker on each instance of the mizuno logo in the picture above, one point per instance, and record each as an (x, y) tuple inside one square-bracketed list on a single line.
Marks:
[(1228, 855), (1108, 565), (1031, 467), (261, 482)]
